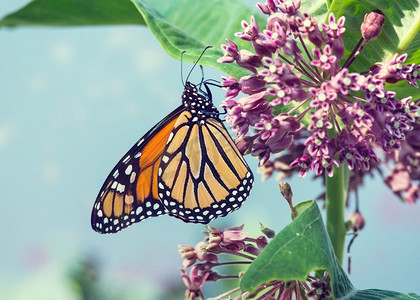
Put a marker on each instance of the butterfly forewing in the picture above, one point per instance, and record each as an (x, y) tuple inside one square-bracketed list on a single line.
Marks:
[(130, 192), (202, 175)]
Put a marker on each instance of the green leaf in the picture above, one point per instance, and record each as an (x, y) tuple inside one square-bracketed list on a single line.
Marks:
[(300, 248), (317, 9), (74, 13), (195, 26)]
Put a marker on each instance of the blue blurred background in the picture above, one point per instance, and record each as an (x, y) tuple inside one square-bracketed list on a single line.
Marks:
[(73, 101)]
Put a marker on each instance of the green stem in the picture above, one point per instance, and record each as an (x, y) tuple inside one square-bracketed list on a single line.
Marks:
[(336, 195)]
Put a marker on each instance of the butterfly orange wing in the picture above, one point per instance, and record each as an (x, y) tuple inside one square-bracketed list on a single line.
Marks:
[(202, 174), (130, 192)]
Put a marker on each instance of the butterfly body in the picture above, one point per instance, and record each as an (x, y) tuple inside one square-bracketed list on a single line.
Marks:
[(186, 166)]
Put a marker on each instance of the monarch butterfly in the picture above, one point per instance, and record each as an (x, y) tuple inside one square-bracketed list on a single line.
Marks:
[(186, 166)]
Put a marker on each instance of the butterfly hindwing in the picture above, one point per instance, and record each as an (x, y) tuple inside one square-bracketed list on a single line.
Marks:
[(202, 175), (130, 193)]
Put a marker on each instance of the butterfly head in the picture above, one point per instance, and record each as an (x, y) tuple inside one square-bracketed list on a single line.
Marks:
[(198, 102)]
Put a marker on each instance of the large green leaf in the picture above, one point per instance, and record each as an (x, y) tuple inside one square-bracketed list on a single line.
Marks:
[(196, 25), (74, 13), (301, 247)]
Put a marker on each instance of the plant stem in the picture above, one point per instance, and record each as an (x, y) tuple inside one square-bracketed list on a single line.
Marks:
[(335, 197)]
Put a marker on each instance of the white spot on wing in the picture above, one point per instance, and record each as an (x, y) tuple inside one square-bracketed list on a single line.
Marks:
[(171, 135), (126, 159), (129, 199), (120, 188), (132, 177), (128, 170)]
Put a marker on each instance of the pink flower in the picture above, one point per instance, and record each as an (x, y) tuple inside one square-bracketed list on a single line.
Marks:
[(194, 281), (325, 60), (229, 238)]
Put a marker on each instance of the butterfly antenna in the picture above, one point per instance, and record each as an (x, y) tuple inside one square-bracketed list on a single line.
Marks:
[(201, 55), (202, 77), (202, 74), (182, 76)]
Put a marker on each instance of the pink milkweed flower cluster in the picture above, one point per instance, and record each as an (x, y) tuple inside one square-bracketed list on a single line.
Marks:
[(313, 110)]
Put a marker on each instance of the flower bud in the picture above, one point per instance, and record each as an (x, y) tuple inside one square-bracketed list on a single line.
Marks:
[(252, 84), (261, 242), (244, 144), (213, 276), (202, 254), (337, 45), (186, 251), (251, 249), (356, 221), (188, 255), (249, 60), (286, 191), (267, 231), (372, 25)]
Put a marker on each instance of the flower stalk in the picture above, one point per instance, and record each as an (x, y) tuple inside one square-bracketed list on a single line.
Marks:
[(335, 200)]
